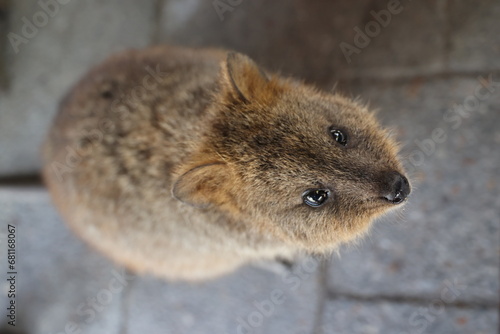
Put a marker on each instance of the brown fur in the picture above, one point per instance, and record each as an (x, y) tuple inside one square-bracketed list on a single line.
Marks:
[(188, 163)]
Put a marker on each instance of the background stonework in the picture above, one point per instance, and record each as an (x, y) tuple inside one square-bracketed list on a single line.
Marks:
[(430, 268)]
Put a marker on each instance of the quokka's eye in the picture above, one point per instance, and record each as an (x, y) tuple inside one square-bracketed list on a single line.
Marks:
[(315, 197), (339, 136)]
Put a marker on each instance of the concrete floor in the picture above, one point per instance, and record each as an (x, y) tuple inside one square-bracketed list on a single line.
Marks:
[(432, 268)]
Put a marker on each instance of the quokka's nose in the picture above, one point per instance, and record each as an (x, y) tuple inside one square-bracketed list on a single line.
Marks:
[(397, 189)]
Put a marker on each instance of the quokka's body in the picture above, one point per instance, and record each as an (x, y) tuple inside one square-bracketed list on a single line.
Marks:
[(188, 163)]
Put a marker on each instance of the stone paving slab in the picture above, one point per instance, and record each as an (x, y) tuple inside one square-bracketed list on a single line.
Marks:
[(475, 42), (308, 39), (252, 300), (4, 8), (62, 285), (396, 38), (450, 229), (49, 49), (344, 316)]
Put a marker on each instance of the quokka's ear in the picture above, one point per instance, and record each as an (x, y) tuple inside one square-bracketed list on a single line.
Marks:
[(244, 79), (202, 185)]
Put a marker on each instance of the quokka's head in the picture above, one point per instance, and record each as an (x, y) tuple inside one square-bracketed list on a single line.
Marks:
[(308, 167)]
